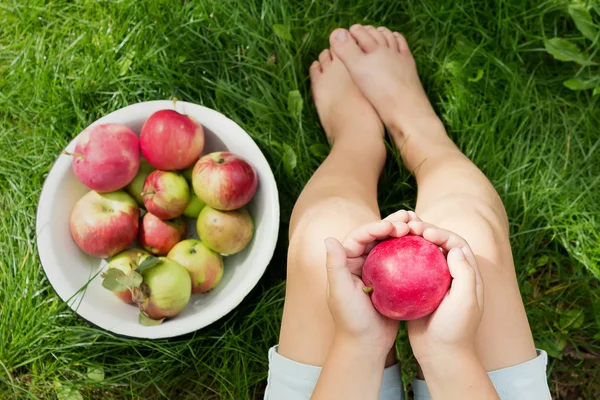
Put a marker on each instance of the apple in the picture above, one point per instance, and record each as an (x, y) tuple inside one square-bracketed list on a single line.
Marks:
[(194, 207), (204, 265), (127, 261), (187, 173), (159, 236), (165, 194), (226, 232), (136, 186), (407, 276), (165, 290), (103, 224), (106, 157), (170, 140), (224, 181)]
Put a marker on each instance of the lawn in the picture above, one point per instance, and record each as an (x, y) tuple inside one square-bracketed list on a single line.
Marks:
[(65, 63)]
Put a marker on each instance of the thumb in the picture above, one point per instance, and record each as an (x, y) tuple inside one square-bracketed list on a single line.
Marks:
[(464, 275), (338, 274)]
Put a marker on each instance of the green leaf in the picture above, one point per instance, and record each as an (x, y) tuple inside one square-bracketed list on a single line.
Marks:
[(596, 91), (289, 158), (282, 32), (95, 374), (580, 84), (133, 280), (554, 348), (149, 262), (563, 50), (67, 393), (319, 150), (477, 77), (571, 320), (145, 320), (295, 103), (583, 20), (112, 280), (543, 260)]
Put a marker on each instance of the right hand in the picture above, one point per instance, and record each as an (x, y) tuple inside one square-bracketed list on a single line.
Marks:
[(452, 327)]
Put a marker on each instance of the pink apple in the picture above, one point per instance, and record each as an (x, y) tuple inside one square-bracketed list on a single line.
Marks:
[(226, 232), (159, 236), (166, 194), (408, 277), (127, 261), (204, 265), (107, 157), (171, 141), (224, 181), (165, 290), (103, 224)]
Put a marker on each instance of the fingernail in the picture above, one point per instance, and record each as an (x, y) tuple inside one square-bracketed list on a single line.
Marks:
[(342, 35), (456, 255)]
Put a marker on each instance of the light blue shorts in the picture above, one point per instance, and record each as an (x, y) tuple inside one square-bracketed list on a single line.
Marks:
[(290, 380)]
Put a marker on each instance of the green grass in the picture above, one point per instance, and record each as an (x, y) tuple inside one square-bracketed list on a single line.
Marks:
[(64, 63)]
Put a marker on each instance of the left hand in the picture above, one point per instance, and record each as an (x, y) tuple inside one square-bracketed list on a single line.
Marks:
[(355, 318)]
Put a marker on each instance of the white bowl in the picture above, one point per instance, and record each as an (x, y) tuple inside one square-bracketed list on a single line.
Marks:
[(76, 276)]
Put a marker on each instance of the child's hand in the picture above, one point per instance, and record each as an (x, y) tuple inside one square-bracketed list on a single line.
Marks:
[(452, 327), (356, 320)]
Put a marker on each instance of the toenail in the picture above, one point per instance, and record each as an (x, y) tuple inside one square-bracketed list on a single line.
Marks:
[(368, 27), (381, 29), (341, 35), (355, 27)]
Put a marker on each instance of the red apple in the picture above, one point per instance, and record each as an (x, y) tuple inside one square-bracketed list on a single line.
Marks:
[(103, 224), (165, 290), (408, 277), (204, 265), (127, 261), (226, 232), (166, 194), (224, 181), (171, 141), (159, 236), (107, 157)]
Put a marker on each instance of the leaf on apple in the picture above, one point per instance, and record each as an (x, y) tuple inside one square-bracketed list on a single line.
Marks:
[(145, 320), (133, 280), (149, 262), (112, 280)]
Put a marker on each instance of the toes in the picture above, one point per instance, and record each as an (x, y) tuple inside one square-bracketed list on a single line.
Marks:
[(344, 46), (377, 35), (390, 40), (365, 40), (402, 44), (325, 58), (315, 68)]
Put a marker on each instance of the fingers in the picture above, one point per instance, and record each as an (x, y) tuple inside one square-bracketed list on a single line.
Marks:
[(445, 239), (467, 282), (338, 275), (357, 240)]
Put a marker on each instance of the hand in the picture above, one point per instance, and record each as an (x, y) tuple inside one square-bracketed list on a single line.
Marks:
[(453, 326), (356, 320)]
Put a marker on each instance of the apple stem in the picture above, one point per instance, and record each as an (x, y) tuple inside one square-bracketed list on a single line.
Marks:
[(175, 103), (68, 153), (367, 289)]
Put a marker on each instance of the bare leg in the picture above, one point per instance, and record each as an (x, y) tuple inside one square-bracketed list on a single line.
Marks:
[(341, 195), (452, 192)]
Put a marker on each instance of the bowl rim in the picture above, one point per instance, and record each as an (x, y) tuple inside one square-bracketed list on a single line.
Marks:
[(61, 166)]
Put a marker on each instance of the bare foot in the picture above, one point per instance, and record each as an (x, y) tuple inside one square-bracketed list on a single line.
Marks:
[(345, 113), (382, 66)]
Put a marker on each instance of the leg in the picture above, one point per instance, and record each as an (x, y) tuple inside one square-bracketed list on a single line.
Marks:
[(452, 192), (341, 195)]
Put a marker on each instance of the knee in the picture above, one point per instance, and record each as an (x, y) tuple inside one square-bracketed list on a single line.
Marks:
[(331, 217)]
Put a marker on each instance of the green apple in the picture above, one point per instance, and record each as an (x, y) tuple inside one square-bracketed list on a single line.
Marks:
[(194, 207), (226, 232), (137, 184), (204, 265)]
